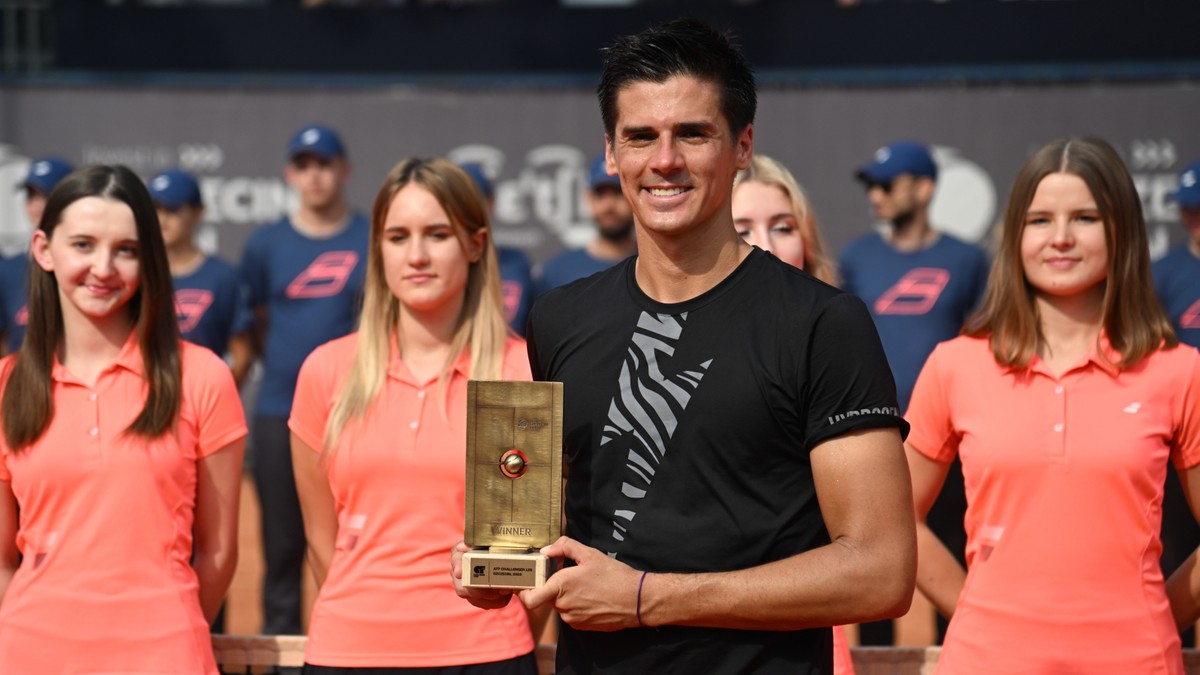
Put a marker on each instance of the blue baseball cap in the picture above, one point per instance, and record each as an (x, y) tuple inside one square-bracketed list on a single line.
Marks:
[(174, 188), (1188, 192), (45, 173), (898, 158), (481, 180), (318, 140), (598, 175)]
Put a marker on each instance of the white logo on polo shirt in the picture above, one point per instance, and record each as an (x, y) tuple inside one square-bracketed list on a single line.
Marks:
[(1133, 407)]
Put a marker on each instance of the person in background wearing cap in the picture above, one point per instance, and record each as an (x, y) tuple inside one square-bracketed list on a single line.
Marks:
[(920, 285), (1177, 276), (614, 225), (1177, 284), (44, 174), (209, 301), (516, 273), (304, 279)]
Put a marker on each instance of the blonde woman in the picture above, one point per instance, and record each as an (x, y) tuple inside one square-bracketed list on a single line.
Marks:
[(378, 441), (771, 211)]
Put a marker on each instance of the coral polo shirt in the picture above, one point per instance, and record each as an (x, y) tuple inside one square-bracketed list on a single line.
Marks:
[(397, 480), (1064, 482), (105, 583)]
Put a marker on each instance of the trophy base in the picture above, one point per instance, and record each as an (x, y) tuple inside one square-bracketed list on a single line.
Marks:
[(494, 569)]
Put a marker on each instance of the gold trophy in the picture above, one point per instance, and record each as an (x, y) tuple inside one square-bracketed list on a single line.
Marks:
[(514, 482)]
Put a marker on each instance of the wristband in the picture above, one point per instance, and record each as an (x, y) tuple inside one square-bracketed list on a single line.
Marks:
[(639, 598)]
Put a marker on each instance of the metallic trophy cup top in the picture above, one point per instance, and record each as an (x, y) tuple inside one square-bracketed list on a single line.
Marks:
[(514, 481)]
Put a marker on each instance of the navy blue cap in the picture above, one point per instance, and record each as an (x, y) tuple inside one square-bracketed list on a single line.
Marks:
[(174, 188), (1188, 193), (45, 173), (481, 179), (318, 140), (598, 175), (898, 158)]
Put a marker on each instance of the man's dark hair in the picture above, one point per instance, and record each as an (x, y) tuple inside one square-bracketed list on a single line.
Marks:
[(679, 47)]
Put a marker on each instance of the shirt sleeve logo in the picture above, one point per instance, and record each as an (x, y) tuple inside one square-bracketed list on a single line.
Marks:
[(915, 293), (190, 307), (325, 276)]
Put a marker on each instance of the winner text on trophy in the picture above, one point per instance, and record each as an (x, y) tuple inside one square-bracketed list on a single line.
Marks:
[(514, 482)]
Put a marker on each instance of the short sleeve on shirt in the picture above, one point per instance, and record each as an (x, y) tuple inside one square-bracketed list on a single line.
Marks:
[(849, 383), (1186, 452), (928, 412), (220, 419), (6, 365), (315, 390)]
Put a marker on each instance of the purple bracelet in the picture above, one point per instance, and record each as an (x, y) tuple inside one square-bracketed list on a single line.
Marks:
[(639, 597)]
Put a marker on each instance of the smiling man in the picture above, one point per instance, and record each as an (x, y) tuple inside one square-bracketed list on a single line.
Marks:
[(736, 482)]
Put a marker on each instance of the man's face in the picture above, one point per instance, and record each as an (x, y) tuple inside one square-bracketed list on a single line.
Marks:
[(1191, 222), (900, 198), (179, 224), (318, 181), (675, 155), (610, 211), (35, 204)]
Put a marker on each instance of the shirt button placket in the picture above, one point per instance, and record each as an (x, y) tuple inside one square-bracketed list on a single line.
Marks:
[(1061, 425), (415, 425), (94, 431)]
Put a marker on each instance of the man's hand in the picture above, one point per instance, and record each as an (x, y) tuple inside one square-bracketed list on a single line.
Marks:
[(483, 598), (598, 593)]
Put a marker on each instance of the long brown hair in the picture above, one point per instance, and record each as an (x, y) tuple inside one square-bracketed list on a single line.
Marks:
[(28, 402), (1133, 320), (481, 327)]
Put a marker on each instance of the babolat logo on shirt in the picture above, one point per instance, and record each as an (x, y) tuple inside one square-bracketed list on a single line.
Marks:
[(190, 306), (325, 276), (884, 410), (1191, 317), (915, 293)]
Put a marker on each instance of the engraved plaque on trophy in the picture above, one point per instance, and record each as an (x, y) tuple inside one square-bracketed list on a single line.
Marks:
[(514, 482)]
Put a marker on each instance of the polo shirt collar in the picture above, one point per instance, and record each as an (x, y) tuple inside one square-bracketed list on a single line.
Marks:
[(398, 370), (1105, 356), (1101, 354), (129, 358)]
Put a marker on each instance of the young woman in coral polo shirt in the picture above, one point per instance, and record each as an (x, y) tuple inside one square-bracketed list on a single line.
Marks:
[(379, 441), (121, 455), (1067, 397)]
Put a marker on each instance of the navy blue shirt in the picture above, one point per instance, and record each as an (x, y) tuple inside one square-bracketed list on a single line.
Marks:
[(211, 305), (516, 286), (1177, 282), (311, 290), (14, 313), (917, 298), (566, 267)]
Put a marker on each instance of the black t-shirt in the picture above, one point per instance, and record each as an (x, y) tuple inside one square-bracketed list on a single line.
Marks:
[(687, 436)]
